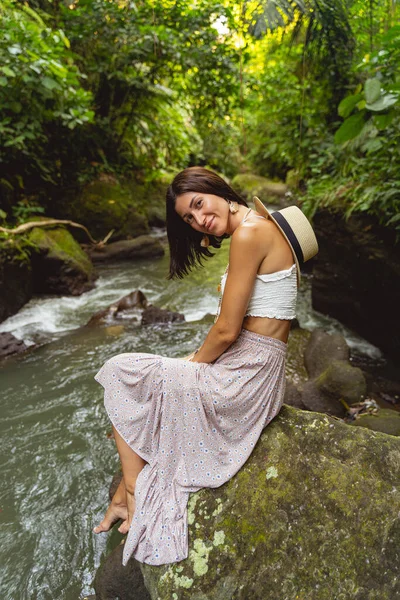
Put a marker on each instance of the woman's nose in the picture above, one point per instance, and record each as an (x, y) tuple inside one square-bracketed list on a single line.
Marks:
[(198, 218)]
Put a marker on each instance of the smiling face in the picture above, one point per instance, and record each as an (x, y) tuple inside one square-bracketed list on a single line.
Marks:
[(206, 213)]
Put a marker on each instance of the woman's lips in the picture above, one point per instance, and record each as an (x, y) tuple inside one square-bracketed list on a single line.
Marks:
[(209, 225)]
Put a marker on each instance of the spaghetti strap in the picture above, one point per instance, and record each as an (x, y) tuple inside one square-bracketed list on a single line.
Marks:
[(248, 214)]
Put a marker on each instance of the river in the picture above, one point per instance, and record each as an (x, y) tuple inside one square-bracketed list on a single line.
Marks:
[(57, 456)]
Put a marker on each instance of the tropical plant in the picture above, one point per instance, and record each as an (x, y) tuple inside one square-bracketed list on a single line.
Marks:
[(40, 91)]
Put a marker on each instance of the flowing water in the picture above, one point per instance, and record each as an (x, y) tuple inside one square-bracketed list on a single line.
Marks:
[(57, 456)]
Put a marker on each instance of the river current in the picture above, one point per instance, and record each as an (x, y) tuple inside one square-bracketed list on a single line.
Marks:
[(57, 456)]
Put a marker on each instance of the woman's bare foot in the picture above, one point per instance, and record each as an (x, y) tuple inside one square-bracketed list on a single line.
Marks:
[(117, 511), (114, 513), (130, 506)]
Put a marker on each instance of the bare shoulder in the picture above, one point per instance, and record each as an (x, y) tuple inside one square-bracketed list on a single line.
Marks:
[(252, 234)]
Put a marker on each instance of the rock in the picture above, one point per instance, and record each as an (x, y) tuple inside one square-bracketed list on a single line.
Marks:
[(143, 246), (357, 277), (10, 345), (297, 342), (104, 205), (118, 309), (313, 514), (153, 194), (59, 265), (293, 396), (322, 349), (113, 581), (340, 381), (16, 279), (154, 314), (270, 192), (386, 420), (314, 399)]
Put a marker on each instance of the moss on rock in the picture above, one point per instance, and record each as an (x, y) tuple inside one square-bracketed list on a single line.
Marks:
[(106, 204), (270, 192), (153, 197), (59, 264), (386, 420), (295, 367), (313, 514)]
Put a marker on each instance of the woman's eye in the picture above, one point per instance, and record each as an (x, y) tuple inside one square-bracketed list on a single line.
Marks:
[(189, 219), (199, 202)]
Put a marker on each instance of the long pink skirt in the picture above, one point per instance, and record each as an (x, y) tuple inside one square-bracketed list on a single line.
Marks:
[(195, 424)]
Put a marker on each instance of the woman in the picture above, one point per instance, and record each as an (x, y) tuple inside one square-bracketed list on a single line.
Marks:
[(181, 425)]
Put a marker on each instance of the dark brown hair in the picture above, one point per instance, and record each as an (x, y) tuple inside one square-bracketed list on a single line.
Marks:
[(184, 241)]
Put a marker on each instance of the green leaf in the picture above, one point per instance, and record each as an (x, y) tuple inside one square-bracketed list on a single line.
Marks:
[(383, 121), (347, 105), (372, 146), (394, 219), (3, 81), (383, 103), (372, 89), (7, 71), (3, 215), (64, 38), (49, 83), (350, 128), (15, 106)]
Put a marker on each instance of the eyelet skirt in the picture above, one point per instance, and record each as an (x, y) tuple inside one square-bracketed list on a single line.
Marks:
[(195, 425)]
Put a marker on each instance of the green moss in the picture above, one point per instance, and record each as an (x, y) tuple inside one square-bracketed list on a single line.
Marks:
[(386, 420), (295, 369), (58, 243), (323, 525), (249, 185), (108, 204)]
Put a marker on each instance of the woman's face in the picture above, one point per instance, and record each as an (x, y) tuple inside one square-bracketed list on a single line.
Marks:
[(204, 212)]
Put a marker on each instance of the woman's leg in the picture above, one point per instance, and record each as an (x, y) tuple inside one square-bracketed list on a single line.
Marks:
[(123, 503), (131, 464)]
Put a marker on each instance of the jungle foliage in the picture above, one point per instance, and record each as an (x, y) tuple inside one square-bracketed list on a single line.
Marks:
[(295, 89)]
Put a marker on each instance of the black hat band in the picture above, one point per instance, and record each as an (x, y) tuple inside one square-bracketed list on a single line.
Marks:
[(284, 225)]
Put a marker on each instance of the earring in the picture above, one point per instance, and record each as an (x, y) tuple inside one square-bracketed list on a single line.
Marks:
[(233, 207), (205, 241)]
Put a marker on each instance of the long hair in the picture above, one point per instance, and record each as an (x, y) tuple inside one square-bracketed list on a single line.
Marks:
[(184, 241)]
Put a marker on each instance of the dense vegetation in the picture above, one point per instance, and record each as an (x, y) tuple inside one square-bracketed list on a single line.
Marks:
[(303, 90)]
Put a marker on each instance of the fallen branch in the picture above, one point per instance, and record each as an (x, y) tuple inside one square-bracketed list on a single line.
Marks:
[(26, 226)]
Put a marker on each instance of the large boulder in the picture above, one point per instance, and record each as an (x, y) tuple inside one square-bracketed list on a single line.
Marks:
[(107, 204), (356, 277), (322, 349), (59, 265), (313, 514), (270, 192), (339, 385), (153, 194), (144, 246)]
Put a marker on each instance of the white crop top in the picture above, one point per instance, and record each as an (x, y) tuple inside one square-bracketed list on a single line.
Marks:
[(274, 294)]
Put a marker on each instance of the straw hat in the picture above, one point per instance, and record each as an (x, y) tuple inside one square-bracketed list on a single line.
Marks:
[(297, 230)]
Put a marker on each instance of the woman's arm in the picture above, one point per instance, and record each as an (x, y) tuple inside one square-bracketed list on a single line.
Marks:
[(247, 251)]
